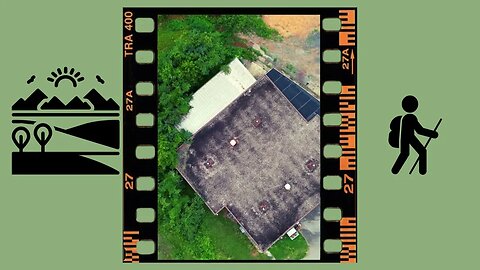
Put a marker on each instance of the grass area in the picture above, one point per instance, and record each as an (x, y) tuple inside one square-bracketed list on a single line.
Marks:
[(169, 245), (287, 249), (229, 242), (224, 235)]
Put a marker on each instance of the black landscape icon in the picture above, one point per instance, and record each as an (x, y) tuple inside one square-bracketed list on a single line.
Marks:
[(21, 137), (65, 74), (99, 103), (32, 79), (38, 157), (30, 103), (77, 104), (99, 79), (53, 104), (105, 132), (57, 104), (33, 101), (57, 163), (44, 162)]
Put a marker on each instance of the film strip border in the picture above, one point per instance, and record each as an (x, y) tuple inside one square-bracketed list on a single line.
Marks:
[(344, 72), (134, 136), (344, 41)]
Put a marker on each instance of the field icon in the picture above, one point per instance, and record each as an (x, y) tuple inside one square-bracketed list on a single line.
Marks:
[(33, 132)]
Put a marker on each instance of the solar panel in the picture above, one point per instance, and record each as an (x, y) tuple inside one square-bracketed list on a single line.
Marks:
[(282, 83), (274, 75), (291, 91), (300, 100), (308, 110), (306, 104)]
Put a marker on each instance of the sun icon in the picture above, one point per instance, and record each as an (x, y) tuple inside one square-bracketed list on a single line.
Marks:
[(65, 74)]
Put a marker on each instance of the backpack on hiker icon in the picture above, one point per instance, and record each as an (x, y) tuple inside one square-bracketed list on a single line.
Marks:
[(395, 129)]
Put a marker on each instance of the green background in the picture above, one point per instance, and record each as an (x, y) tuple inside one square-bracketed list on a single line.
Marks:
[(404, 221)]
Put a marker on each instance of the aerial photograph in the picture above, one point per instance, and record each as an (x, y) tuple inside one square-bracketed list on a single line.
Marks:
[(239, 137)]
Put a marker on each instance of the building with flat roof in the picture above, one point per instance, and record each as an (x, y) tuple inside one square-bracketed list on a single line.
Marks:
[(258, 158)]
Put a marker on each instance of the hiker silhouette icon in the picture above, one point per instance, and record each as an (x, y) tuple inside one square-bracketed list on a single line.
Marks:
[(403, 130)]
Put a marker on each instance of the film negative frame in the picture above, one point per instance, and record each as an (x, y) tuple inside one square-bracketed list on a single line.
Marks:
[(343, 72)]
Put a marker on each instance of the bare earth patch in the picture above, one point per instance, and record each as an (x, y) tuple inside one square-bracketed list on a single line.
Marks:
[(293, 25), (297, 55)]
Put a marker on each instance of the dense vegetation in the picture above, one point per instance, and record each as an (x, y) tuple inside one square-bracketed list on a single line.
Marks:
[(191, 50)]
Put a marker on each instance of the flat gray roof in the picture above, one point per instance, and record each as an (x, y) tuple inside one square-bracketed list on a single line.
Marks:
[(275, 146)]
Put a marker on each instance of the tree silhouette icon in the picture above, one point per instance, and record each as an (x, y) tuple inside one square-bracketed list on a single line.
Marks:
[(42, 133), (22, 139)]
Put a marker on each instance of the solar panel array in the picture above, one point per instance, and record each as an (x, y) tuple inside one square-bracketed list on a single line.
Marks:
[(306, 104)]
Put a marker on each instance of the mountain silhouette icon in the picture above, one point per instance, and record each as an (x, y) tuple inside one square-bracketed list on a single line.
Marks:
[(77, 104), (105, 132), (31, 103), (53, 104), (99, 103)]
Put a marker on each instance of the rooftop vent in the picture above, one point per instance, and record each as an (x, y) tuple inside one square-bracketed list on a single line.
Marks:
[(287, 186), (264, 206), (311, 165), (257, 122), (209, 163)]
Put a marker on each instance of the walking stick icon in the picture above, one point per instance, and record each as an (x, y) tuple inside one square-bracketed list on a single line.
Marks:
[(426, 144)]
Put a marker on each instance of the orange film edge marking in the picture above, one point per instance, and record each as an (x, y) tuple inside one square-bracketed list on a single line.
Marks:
[(349, 240), (347, 27), (347, 140), (349, 251), (349, 247), (346, 38), (130, 247), (347, 16), (348, 221), (348, 90), (350, 260), (347, 97), (348, 108), (347, 163)]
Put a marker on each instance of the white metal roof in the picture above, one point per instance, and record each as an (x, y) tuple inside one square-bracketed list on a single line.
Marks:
[(216, 94), (291, 232)]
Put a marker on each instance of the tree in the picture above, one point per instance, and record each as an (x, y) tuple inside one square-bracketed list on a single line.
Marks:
[(192, 216)]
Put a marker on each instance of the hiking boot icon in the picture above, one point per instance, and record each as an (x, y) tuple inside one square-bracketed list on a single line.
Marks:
[(403, 130)]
